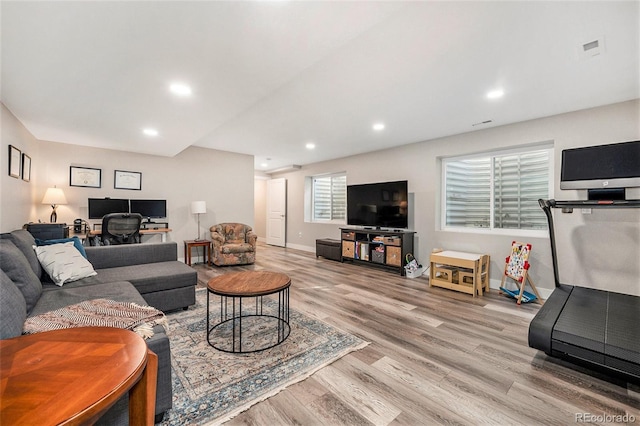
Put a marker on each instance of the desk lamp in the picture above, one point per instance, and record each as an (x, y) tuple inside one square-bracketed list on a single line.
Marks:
[(54, 196), (198, 207)]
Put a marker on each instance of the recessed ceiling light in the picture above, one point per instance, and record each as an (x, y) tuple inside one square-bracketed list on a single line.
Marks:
[(150, 132), (180, 89), (495, 94), (378, 126), (310, 145), (264, 165)]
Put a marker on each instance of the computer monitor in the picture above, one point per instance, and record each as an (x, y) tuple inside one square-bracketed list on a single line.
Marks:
[(149, 209), (98, 207)]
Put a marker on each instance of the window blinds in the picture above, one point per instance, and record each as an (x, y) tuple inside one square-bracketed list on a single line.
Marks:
[(329, 198), (499, 191)]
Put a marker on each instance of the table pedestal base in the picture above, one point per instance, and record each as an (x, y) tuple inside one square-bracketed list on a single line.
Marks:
[(249, 330)]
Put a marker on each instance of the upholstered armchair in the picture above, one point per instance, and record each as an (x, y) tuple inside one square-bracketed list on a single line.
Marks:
[(233, 244)]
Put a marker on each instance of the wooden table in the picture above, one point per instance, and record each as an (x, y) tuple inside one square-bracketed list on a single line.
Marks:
[(241, 285), (189, 244), (74, 376), (452, 260)]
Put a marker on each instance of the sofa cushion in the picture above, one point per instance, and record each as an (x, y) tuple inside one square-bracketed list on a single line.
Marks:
[(75, 240), (236, 248), (151, 277), (25, 242), (55, 297), (102, 257), (13, 308), (64, 263), (17, 268)]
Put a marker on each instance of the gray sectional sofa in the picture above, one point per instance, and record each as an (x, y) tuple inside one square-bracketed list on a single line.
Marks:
[(148, 274)]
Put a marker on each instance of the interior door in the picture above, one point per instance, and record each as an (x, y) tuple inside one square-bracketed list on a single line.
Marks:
[(276, 212)]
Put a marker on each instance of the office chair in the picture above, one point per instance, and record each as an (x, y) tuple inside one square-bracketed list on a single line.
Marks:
[(120, 228)]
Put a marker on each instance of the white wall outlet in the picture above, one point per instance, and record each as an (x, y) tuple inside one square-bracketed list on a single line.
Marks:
[(585, 211)]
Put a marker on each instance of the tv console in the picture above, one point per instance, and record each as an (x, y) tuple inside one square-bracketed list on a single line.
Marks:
[(376, 247)]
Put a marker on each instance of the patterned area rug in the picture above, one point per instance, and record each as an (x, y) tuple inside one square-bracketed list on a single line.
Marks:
[(210, 387)]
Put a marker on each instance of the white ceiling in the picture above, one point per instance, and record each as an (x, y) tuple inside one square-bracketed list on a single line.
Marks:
[(268, 77)]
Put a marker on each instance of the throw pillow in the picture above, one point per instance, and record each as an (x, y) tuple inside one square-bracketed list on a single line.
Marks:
[(75, 240), (24, 241), (16, 266), (64, 263)]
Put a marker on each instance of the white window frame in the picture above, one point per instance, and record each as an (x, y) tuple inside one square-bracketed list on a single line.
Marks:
[(534, 233), (310, 201)]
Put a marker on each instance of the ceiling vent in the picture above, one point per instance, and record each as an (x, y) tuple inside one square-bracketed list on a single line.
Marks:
[(591, 48)]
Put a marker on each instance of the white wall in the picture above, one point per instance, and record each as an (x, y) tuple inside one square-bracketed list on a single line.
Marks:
[(599, 250), (224, 180), (16, 196), (260, 204)]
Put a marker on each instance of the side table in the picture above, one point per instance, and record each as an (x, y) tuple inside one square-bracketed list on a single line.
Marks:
[(189, 244), (74, 375), (270, 326)]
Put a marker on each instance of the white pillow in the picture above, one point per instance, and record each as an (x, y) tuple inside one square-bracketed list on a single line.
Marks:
[(64, 263)]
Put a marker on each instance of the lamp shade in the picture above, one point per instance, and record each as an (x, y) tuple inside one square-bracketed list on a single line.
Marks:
[(54, 196), (198, 207)]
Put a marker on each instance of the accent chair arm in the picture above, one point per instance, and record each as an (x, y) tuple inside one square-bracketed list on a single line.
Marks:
[(251, 238), (216, 238)]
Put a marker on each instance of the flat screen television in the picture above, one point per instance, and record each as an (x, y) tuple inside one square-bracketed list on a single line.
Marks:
[(601, 167), (99, 207), (380, 205), (149, 209)]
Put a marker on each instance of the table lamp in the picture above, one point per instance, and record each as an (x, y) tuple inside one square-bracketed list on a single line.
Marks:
[(198, 207), (54, 196)]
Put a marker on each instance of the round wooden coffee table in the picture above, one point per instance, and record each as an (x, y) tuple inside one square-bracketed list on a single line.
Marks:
[(265, 327), (73, 376)]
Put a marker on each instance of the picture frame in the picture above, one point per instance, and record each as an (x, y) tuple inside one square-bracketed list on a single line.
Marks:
[(123, 179), (26, 167), (14, 161), (86, 177)]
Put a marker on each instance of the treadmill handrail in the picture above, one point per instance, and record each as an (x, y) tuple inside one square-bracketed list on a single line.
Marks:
[(547, 205)]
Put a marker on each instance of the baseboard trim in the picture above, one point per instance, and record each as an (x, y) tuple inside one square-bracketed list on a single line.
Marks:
[(301, 247)]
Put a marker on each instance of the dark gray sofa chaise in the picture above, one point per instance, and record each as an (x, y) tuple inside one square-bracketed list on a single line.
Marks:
[(147, 274)]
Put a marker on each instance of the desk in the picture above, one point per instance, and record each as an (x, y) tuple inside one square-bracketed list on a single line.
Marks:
[(189, 244), (162, 231), (73, 376), (458, 264)]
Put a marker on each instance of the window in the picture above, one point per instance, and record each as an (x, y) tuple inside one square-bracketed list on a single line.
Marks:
[(497, 191), (329, 198)]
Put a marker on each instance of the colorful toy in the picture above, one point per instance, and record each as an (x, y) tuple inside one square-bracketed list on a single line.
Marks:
[(517, 268)]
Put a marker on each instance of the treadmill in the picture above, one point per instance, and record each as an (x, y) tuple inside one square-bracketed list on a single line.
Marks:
[(597, 328)]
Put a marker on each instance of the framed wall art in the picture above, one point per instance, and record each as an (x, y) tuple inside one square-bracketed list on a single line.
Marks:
[(26, 167), (85, 176), (127, 180), (14, 161)]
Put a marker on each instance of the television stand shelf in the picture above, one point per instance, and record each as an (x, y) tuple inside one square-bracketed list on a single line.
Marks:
[(386, 249)]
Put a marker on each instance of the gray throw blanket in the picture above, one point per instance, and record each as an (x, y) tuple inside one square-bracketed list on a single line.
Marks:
[(99, 313)]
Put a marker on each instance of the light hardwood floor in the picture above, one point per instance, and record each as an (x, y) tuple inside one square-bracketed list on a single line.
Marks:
[(435, 356)]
